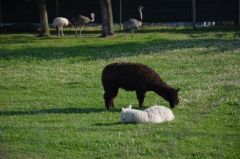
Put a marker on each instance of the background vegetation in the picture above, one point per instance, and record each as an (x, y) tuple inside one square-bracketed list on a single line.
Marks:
[(51, 102)]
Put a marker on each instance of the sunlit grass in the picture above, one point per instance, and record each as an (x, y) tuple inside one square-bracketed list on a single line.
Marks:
[(51, 102)]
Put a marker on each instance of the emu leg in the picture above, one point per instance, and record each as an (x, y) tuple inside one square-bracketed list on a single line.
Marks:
[(80, 33), (56, 28), (76, 32), (140, 97), (109, 97), (58, 32)]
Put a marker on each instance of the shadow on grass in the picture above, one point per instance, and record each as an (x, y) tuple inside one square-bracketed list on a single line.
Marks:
[(73, 33), (88, 52), (186, 30), (114, 123), (107, 124), (57, 111), (157, 29)]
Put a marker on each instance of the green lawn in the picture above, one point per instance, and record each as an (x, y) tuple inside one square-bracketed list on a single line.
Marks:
[(51, 103)]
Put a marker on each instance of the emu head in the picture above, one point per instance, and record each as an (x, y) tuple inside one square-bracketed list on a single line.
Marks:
[(92, 17), (66, 22), (173, 98), (69, 23), (73, 20), (140, 8)]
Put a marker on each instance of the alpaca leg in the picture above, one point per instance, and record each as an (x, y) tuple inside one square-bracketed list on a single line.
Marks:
[(140, 97), (109, 97), (62, 32), (106, 99), (109, 100), (132, 34)]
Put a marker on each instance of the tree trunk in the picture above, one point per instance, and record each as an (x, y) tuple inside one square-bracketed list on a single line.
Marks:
[(57, 8), (43, 18), (120, 14), (194, 17), (107, 18), (238, 12), (1, 20)]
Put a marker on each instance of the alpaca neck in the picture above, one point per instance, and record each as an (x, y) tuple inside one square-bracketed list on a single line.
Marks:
[(163, 90)]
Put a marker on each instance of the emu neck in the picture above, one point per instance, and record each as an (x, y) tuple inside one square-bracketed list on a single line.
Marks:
[(140, 12), (92, 18)]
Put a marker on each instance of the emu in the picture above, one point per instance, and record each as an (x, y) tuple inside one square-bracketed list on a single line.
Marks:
[(80, 21), (133, 24), (135, 77), (59, 23)]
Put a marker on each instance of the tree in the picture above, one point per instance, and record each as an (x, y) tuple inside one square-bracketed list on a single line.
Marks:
[(45, 31), (107, 18), (238, 13)]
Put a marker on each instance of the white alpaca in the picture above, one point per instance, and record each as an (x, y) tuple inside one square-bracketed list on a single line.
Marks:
[(59, 23), (154, 114)]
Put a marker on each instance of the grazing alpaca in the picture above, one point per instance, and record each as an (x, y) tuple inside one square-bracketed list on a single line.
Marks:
[(154, 114), (135, 77), (60, 23)]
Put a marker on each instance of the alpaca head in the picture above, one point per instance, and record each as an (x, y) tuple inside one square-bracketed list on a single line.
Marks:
[(126, 116), (173, 97)]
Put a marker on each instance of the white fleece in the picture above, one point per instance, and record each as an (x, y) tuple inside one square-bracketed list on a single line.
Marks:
[(154, 114)]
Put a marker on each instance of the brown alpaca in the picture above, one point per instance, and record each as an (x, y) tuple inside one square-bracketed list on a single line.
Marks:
[(135, 77)]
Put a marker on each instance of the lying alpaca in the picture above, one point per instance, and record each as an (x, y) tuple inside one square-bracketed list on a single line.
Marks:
[(154, 114), (135, 77)]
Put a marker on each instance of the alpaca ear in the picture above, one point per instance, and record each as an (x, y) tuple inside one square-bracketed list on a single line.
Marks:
[(178, 89), (123, 109), (130, 106)]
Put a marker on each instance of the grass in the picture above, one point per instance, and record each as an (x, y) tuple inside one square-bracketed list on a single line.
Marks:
[(51, 102)]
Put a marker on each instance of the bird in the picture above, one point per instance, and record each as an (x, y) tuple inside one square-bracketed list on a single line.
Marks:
[(133, 24), (80, 21), (59, 23)]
